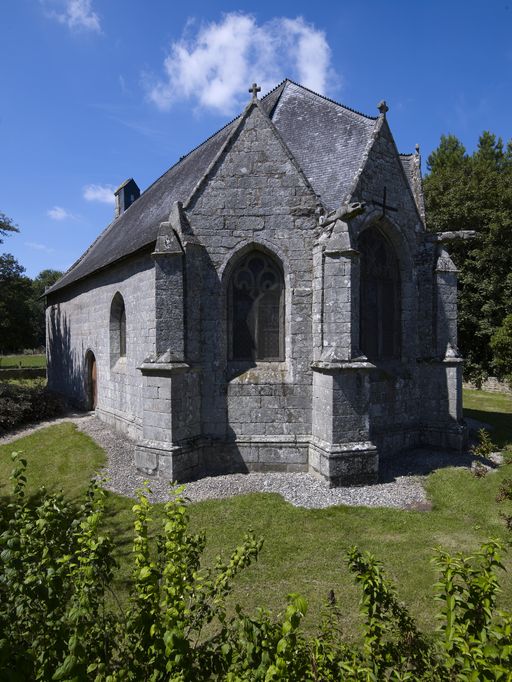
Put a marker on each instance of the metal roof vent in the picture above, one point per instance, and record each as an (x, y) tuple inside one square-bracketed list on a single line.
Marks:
[(125, 195)]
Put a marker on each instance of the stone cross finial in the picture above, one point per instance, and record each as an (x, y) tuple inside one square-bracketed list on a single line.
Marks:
[(254, 89), (382, 107)]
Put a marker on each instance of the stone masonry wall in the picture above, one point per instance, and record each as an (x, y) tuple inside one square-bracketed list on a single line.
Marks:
[(395, 406), (78, 320), (256, 198)]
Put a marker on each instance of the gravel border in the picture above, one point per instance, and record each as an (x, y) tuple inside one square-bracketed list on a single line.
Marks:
[(299, 489), (400, 486)]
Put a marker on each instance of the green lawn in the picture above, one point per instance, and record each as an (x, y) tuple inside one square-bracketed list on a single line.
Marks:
[(23, 361), (304, 549), (493, 408)]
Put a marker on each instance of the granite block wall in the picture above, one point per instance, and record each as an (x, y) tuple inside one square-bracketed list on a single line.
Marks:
[(78, 320), (323, 407)]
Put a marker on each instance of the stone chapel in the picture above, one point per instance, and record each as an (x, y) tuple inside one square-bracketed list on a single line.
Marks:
[(272, 302)]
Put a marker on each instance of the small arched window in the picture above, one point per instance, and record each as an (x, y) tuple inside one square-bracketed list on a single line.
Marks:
[(380, 312), (256, 309), (117, 329), (122, 333)]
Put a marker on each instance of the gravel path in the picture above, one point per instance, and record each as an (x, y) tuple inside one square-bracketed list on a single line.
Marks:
[(301, 490), (401, 485)]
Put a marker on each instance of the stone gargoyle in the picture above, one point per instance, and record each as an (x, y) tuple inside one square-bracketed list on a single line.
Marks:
[(344, 213)]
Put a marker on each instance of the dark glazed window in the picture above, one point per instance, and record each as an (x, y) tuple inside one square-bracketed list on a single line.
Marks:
[(256, 301), (117, 329), (122, 333), (380, 311)]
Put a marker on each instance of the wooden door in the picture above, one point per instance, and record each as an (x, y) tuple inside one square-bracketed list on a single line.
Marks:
[(91, 381)]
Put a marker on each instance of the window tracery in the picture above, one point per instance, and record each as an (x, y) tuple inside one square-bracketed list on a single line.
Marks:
[(256, 302), (380, 311)]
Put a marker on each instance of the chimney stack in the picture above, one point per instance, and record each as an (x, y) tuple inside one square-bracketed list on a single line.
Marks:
[(125, 195)]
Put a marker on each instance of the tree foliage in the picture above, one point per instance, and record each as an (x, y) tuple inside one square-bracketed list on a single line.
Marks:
[(474, 192), (16, 306), (501, 344), (22, 309), (6, 226), (43, 281)]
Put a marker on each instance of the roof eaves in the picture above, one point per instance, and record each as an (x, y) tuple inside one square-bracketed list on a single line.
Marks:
[(142, 249)]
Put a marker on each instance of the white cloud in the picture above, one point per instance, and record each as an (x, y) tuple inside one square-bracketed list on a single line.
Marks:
[(59, 213), (216, 66), (101, 193), (39, 247), (76, 15)]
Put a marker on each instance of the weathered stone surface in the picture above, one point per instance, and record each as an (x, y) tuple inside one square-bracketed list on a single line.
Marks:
[(324, 407)]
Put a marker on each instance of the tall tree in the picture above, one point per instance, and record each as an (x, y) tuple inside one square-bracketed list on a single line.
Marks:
[(16, 297), (6, 226), (475, 192), (43, 281)]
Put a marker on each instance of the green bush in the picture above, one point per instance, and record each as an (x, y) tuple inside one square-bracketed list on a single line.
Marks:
[(57, 622), (23, 404), (501, 344)]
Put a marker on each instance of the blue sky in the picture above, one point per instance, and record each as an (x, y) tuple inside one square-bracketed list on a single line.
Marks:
[(96, 91)]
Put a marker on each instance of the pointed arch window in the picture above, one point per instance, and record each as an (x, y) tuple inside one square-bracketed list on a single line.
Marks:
[(256, 309), (117, 329), (380, 311), (122, 333)]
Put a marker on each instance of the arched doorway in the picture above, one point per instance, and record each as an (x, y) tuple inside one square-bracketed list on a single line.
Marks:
[(91, 381)]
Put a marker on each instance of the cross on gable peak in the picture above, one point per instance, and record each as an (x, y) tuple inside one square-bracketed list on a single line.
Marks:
[(254, 89)]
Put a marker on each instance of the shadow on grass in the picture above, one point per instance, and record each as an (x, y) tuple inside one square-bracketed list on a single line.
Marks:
[(499, 421), (495, 416), (424, 462)]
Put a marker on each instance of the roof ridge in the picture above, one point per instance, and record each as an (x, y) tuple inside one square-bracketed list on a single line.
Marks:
[(182, 158), (329, 99), (110, 225)]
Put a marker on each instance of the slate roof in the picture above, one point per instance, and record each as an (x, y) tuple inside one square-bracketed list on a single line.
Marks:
[(327, 139)]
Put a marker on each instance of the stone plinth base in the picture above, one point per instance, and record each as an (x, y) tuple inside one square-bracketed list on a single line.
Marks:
[(344, 464), (177, 463), (190, 460), (446, 437)]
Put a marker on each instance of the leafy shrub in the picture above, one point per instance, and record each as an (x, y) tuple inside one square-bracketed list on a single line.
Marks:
[(505, 495), (485, 447), (501, 344), (56, 623), (21, 404)]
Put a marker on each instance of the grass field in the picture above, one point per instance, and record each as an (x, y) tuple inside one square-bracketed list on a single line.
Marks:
[(22, 361), (493, 408), (304, 550)]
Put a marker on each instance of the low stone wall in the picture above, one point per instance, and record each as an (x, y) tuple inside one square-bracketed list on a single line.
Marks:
[(491, 384)]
